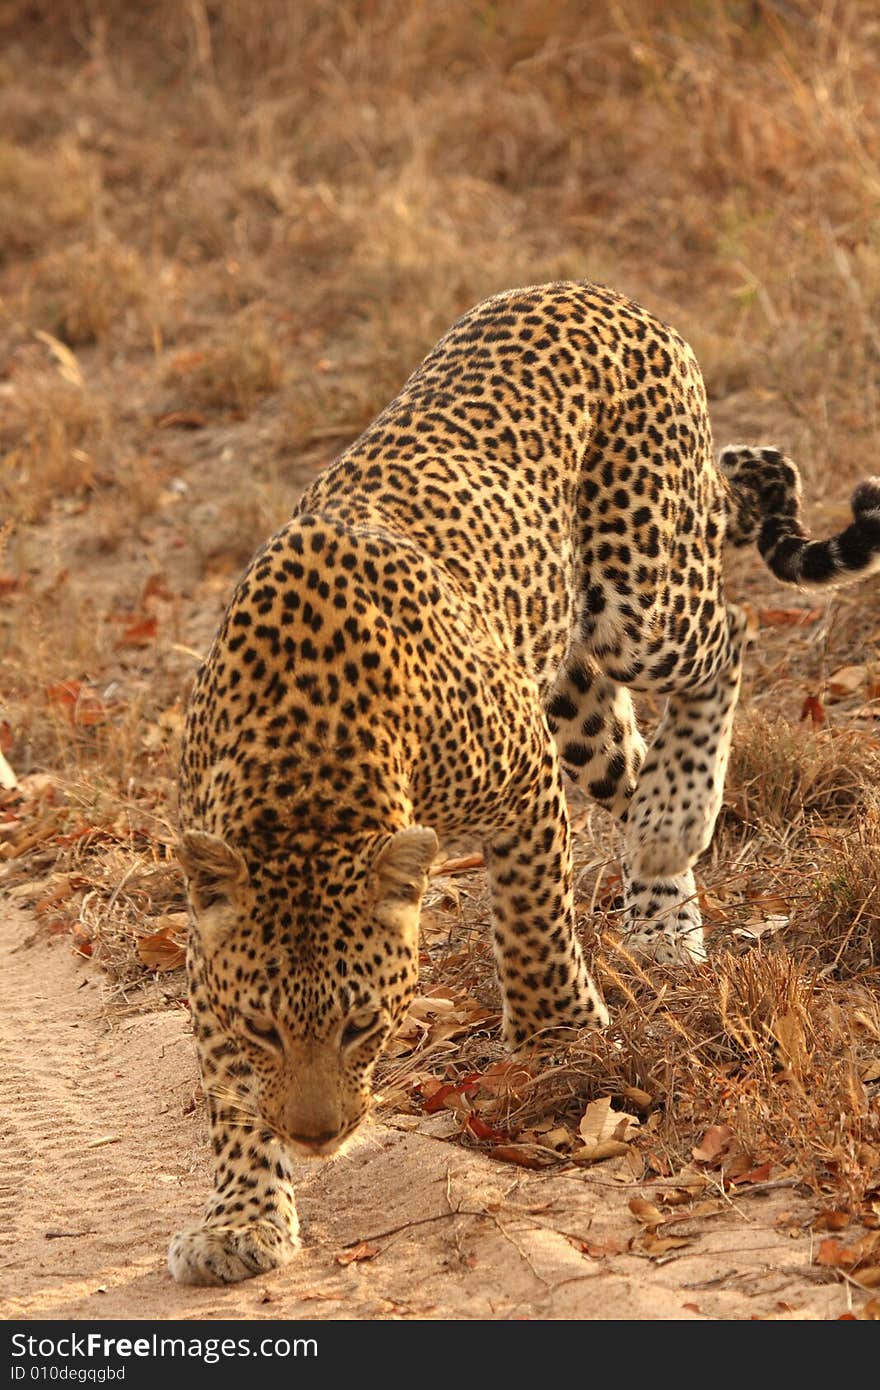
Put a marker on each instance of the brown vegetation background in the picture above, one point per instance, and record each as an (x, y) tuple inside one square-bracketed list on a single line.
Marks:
[(227, 234)]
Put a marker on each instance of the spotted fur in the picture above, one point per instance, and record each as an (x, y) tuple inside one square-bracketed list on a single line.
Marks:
[(452, 620)]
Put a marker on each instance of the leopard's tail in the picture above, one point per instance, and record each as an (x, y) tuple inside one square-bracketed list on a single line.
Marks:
[(764, 505)]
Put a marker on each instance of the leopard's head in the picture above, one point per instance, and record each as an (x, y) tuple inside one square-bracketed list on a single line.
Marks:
[(309, 961)]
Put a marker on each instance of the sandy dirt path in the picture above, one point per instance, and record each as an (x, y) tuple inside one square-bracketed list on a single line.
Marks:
[(104, 1155)]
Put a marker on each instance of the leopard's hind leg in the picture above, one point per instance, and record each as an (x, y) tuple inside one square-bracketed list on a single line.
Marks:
[(602, 751), (675, 805), (594, 724)]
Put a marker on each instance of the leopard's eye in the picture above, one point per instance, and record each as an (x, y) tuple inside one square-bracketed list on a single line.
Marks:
[(262, 1031), (359, 1025)]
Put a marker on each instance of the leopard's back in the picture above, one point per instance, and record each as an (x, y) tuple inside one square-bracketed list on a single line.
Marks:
[(553, 453)]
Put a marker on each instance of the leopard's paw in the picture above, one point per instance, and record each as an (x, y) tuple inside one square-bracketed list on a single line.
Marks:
[(666, 945), (227, 1254), (524, 1032)]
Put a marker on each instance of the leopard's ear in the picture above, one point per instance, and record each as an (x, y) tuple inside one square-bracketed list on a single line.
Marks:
[(214, 869), (402, 865)]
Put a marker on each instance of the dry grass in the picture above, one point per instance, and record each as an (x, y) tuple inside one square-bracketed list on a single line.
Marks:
[(843, 926), (52, 436), (231, 376), (42, 193), (86, 291), (221, 253), (784, 777)]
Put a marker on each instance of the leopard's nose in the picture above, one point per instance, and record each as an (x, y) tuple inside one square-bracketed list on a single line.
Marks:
[(315, 1141)]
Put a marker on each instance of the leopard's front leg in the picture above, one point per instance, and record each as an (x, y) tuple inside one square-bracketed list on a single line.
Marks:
[(545, 984), (251, 1225)]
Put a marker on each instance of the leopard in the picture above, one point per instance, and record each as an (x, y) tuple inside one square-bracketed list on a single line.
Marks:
[(447, 632)]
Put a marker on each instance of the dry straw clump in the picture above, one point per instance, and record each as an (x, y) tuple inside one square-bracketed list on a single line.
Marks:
[(231, 376), (42, 194), (843, 925), (85, 291), (53, 437), (784, 776)]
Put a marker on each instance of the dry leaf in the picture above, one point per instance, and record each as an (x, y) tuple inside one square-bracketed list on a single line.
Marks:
[(714, 1144), (474, 1125), (753, 1175), (831, 1221), (845, 681), (459, 866), (738, 1165), (524, 1155), (635, 1163), (138, 634), (677, 1197), (656, 1246), (450, 1095), (691, 1179), (362, 1251), (600, 1124), (789, 617), (598, 1121), (597, 1250), (708, 1207), (165, 949), (813, 709), (641, 1099), (837, 1255), (769, 902), (423, 1006), (80, 703), (764, 926), (82, 939), (182, 420), (507, 1078), (556, 1138), (646, 1212), (597, 1153)]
